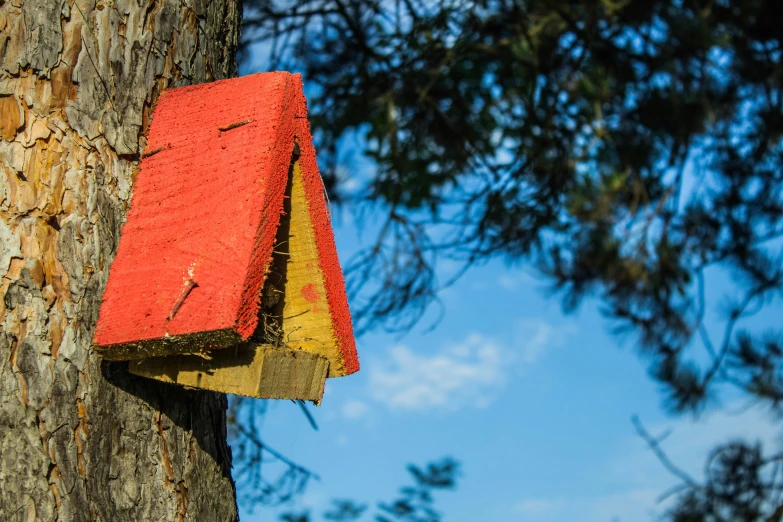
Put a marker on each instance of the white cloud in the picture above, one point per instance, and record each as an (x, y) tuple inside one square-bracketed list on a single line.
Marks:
[(628, 505), (467, 374), (538, 506), (624, 506), (479, 286), (354, 409), (532, 337), (512, 280)]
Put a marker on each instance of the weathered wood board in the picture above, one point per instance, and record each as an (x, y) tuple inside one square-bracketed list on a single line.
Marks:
[(306, 322), (260, 371)]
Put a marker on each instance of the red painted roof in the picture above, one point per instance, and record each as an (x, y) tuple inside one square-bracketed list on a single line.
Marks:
[(204, 212)]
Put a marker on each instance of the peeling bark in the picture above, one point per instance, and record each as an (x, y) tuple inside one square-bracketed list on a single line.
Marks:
[(81, 439)]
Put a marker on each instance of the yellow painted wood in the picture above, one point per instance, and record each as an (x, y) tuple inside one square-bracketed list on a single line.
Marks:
[(306, 321), (260, 371)]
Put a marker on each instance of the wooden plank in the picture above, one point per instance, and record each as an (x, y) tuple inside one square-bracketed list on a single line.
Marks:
[(328, 262), (306, 317), (202, 220), (251, 370)]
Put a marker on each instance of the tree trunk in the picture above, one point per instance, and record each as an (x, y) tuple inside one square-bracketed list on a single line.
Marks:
[(81, 439)]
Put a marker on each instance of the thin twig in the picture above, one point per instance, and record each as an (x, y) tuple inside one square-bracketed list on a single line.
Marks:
[(654, 445), (307, 413), (252, 437)]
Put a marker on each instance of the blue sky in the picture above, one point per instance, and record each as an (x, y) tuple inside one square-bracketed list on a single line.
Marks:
[(535, 404)]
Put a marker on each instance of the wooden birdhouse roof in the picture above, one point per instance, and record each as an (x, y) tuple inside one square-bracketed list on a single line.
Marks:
[(228, 229)]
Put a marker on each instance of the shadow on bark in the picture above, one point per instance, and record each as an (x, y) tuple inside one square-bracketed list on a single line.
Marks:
[(191, 410)]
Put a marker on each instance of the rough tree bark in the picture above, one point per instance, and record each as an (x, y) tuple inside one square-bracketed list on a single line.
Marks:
[(81, 439)]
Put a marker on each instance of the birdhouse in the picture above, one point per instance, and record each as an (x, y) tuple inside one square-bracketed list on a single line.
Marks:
[(226, 277)]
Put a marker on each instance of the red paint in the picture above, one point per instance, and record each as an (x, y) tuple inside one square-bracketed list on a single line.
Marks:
[(309, 292), (208, 204), (324, 237), (209, 200)]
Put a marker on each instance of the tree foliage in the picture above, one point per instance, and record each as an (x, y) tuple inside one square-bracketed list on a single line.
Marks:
[(415, 503), (630, 150)]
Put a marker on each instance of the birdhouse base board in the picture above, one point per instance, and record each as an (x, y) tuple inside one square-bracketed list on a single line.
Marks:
[(252, 370)]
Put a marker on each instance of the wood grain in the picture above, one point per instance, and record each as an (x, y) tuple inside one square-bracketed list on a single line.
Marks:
[(306, 318), (260, 371), (306, 349), (205, 205)]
